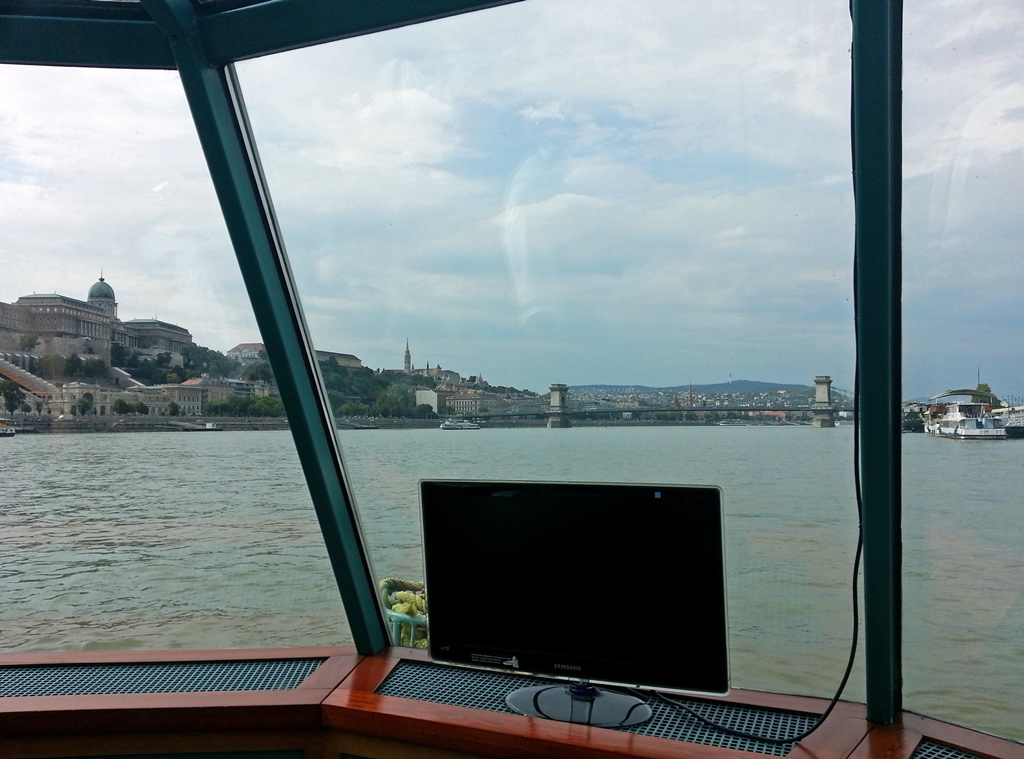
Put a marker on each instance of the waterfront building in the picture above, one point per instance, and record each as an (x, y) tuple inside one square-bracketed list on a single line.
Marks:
[(220, 388), (68, 398), (473, 403), (100, 400), (158, 398), (436, 399)]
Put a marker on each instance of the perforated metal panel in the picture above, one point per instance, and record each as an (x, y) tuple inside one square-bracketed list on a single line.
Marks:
[(927, 749), (487, 690), (210, 755), (163, 677)]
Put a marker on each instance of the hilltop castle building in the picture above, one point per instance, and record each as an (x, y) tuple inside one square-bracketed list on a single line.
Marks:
[(67, 325)]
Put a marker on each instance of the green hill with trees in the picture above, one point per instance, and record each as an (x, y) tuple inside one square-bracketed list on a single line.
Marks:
[(364, 392)]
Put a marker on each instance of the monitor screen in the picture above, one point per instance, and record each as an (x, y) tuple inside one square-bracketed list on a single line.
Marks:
[(606, 583)]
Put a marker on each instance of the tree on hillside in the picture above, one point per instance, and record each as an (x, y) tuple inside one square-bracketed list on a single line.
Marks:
[(423, 411), (28, 342), (362, 391), (236, 405), (12, 394), (198, 360), (985, 395), (94, 368), (120, 355), (260, 372), (72, 365), (394, 400), (52, 366)]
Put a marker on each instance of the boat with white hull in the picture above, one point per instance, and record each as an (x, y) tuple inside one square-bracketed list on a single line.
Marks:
[(452, 424), (962, 420)]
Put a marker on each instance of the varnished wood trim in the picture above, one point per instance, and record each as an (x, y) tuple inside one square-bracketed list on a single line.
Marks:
[(887, 742), (335, 710), (373, 670), (347, 744), (310, 742), (901, 739), (331, 673), (971, 741), (44, 658), (298, 708), (355, 708)]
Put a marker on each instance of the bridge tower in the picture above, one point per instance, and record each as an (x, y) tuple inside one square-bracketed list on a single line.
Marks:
[(558, 416), (823, 413)]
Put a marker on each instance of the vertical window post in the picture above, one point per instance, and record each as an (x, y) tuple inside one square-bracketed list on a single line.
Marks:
[(876, 123), (215, 101)]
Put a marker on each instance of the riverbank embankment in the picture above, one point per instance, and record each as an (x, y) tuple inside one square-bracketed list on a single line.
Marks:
[(84, 424)]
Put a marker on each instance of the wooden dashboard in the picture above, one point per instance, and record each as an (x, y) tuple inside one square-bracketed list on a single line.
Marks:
[(336, 712)]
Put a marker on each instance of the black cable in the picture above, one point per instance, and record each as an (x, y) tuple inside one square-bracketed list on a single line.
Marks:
[(854, 584), (849, 663), (860, 509)]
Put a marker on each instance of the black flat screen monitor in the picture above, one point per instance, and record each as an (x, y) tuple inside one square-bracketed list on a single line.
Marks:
[(592, 583)]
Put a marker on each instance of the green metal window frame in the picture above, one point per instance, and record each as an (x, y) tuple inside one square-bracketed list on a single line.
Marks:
[(202, 40), (877, 150)]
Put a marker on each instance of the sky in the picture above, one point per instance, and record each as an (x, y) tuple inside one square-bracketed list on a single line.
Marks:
[(654, 193)]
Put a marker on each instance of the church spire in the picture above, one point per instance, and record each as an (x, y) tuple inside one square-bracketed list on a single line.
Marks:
[(408, 357)]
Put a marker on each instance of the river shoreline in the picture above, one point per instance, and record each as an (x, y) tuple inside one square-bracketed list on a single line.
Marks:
[(81, 425), (78, 425)]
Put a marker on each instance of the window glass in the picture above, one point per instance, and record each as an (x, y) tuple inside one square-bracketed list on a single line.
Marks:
[(963, 181), (648, 204), (120, 304)]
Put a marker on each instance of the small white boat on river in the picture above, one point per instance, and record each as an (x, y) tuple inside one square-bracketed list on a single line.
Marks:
[(452, 424)]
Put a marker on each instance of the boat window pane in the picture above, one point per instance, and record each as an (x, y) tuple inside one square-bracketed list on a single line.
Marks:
[(117, 530), (617, 198), (963, 181)]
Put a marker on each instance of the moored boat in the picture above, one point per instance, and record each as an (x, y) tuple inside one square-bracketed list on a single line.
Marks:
[(962, 420), (5, 430), (1013, 422)]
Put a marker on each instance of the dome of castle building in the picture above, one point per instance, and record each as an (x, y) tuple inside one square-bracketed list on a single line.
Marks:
[(101, 290)]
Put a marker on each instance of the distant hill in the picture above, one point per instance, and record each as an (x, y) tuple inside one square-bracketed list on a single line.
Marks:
[(745, 387)]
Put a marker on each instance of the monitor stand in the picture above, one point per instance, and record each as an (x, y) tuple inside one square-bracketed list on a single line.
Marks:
[(581, 703)]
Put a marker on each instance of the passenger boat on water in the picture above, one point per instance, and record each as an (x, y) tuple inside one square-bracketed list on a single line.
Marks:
[(461, 424), (1011, 419), (962, 420), (1015, 427), (6, 430)]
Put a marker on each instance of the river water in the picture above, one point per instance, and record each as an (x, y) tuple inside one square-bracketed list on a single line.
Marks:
[(163, 540)]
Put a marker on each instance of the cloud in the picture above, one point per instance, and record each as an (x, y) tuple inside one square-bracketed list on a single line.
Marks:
[(553, 191)]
